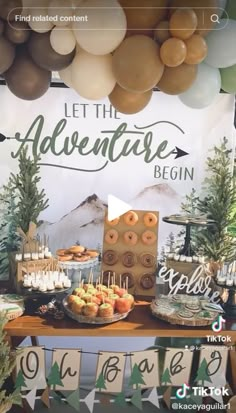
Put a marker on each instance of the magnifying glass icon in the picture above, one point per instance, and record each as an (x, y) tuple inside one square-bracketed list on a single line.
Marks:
[(215, 18)]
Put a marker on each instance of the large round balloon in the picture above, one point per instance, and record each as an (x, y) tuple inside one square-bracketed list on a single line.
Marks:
[(92, 76), (38, 20), (66, 76), (161, 32), (137, 65), (203, 9), (43, 54), (17, 32), (105, 27), (26, 80), (144, 15), (61, 11), (62, 40), (129, 102), (221, 45), (196, 49), (10, 8), (7, 54), (228, 79), (183, 23), (173, 52), (204, 89), (176, 80)]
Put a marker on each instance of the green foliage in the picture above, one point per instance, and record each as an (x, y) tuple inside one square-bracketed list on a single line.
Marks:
[(202, 373), (100, 383), (54, 377), (165, 378), (136, 377), (7, 364), (30, 200)]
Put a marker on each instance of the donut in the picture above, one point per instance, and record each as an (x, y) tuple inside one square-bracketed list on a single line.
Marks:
[(65, 257), (131, 218), (60, 252), (75, 249), (147, 281), (130, 237), (128, 259), (92, 253), (150, 219), (111, 236), (148, 237), (130, 277), (113, 222), (110, 257), (83, 258), (147, 260)]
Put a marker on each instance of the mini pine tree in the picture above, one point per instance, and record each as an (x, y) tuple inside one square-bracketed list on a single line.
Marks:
[(30, 200), (54, 377), (165, 378), (100, 383), (219, 205), (202, 373), (7, 364), (136, 377)]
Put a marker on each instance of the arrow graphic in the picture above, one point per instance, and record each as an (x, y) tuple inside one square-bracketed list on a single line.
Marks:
[(179, 152)]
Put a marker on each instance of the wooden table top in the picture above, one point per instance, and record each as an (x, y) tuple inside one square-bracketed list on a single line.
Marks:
[(139, 323)]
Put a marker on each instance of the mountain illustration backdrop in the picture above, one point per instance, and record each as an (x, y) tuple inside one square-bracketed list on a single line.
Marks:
[(84, 224)]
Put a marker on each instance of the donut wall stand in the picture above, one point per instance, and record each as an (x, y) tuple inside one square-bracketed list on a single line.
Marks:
[(130, 251)]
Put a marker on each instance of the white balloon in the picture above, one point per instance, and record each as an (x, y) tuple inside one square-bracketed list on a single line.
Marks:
[(205, 88), (36, 20), (221, 45), (62, 40), (61, 11), (104, 29), (92, 76), (66, 76)]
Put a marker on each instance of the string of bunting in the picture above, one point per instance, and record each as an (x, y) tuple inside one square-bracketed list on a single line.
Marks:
[(146, 376)]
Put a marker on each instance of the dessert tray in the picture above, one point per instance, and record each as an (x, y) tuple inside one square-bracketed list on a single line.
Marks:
[(93, 320), (185, 310), (11, 305)]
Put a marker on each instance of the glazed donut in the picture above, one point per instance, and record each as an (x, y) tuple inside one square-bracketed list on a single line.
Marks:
[(150, 219), (65, 257), (147, 260), (110, 257), (92, 253), (148, 237), (147, 281), (113, 222), (111, 236), (60, 252), (83, 258), (130, 237), (75, 249), (128, 259), (131, 218)]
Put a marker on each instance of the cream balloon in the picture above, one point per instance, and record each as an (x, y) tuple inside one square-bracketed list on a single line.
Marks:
[(62, 40), (61, 11), (105, 27), (65, 76), (221, 45), (39, 26), (205, 88), (92, 76)]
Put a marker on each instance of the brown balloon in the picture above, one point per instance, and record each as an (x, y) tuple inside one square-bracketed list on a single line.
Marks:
[(183, 23), (42, 53), (137, 65), (196, 49), (10, 8), (7, 54), (17, 32), (144, 15), (203, 9), (129, 102), (176, 80), (26, 80), (173, 52), (1, 27), (161, 32)]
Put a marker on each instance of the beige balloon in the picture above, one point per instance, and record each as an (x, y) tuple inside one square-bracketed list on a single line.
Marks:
[(62, 10), (105, 27), (39, 26), (92, 76), (62, 40), (66, 76)]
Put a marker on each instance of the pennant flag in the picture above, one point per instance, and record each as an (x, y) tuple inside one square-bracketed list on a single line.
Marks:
[(218, 397), (30, 397), (120, 400), (147, 363), (68, 361), (107, 362), (211, 356), (196, 399), (136, 399), (74, 400), (136, 377), (57, 397), (45, 397), (89, 400), (153, 398), (42, 384), (167, 396), (31, 360)]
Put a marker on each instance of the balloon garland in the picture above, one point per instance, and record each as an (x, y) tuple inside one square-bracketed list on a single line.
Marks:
[(120, 48)]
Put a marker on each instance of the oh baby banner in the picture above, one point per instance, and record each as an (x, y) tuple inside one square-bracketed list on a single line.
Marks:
[(62, 382), (88, 150)]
